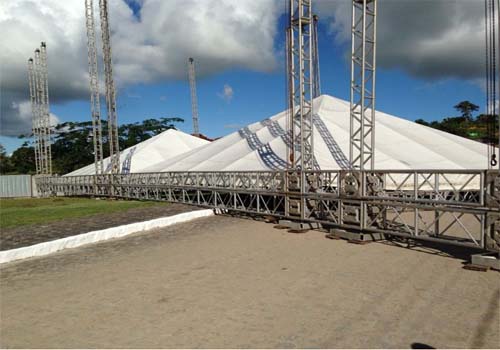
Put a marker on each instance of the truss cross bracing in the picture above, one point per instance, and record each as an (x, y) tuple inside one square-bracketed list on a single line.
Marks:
[(363, 68), (448, 206)]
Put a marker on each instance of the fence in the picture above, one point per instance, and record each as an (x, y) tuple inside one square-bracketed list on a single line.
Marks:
[(17, 186)]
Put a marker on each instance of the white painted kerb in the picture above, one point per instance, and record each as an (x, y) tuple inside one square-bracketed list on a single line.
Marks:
[(98, 236)]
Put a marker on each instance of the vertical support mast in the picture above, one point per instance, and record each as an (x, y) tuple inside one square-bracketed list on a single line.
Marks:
[(39, 111), (42, 123), (316, 70), (34, 111), (301, 75), (47, 148), (114, 148), (95, 104), (363, 69), (194, 98)]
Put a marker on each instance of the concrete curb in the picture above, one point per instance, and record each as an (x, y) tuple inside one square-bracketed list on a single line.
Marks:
[(98, 236)]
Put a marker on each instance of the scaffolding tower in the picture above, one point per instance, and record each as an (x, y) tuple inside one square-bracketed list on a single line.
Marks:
[(315, 53), (363, 69), (114, 148), (95, 104), (300, 71), (34, 110), (39, 97), (194, 98), (45, 112), (300, 77)]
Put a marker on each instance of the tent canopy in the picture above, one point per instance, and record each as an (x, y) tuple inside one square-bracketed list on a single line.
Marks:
[(157, 149), (400, 144)]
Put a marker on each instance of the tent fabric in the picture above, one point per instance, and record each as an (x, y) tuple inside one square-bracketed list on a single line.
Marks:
[(159, 148), (400, 144)]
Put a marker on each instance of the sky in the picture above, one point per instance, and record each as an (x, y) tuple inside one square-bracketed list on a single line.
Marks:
[(430, 57)]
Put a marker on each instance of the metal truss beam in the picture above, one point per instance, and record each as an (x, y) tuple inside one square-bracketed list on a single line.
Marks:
[(301, 89), (194, 97), (39, 96), (363, 69), (315, 53), (95, 103), (114, 147), (45, 113), (448, 206), (35, 120)]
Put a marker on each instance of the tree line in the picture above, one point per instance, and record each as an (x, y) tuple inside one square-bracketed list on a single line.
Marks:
[(467, 125), (73, 147)]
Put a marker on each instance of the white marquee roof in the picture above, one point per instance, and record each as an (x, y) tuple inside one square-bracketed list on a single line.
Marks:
[(400, 144), (157, 149)]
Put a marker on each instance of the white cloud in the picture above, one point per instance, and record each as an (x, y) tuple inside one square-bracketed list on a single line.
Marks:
[(151, 47), (429, 39), (234, 126), (227, 93), (24, 115)]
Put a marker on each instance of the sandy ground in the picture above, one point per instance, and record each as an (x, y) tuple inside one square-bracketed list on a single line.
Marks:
[(227, 282)]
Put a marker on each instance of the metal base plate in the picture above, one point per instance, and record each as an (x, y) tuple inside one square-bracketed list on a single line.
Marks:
[(356, 236), (295, 225), (490, 260)]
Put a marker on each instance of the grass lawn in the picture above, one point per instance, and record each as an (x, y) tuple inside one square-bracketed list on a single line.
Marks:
[(19, 212)]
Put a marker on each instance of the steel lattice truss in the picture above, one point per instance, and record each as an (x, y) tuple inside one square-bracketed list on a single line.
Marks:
[(114, 148), (194, 98), (315, 54), (301, 77), (95, 104), (363, 67), (39, 97), (34, 110), (448, 206)]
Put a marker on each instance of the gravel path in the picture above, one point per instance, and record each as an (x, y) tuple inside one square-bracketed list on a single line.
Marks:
[(223, 282), (22, 236)]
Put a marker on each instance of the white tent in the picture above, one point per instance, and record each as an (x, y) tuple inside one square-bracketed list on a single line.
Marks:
[(400, 144), (157, 149)]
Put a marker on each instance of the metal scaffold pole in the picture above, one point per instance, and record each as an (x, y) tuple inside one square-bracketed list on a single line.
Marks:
[(114, 148), (194, 98), (363, 74), (316, 69), (39, 90), (95, 104), (47, 148), (300, 75), (302, 81), (35, 117)]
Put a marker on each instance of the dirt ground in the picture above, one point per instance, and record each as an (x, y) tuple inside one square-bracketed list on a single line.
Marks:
[(227, 282)]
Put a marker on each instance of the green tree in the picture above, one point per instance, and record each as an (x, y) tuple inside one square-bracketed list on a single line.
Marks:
[(421, 122), (23, 160), (73, 146), (5, 161), (466, 108)]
